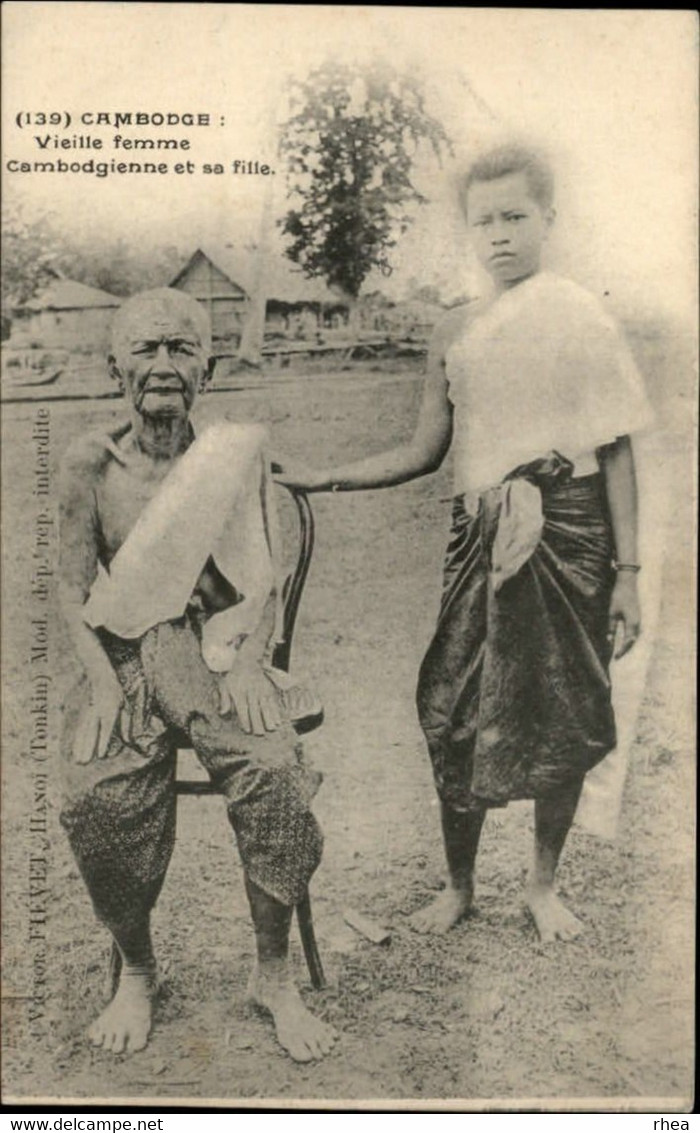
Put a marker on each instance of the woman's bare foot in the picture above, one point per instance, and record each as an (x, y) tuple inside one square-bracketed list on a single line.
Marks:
[(302, 1035), (552, 918), (125, 1025), (444, 912)]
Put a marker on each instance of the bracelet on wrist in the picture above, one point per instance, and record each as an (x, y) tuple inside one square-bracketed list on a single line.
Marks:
[(633, 568)]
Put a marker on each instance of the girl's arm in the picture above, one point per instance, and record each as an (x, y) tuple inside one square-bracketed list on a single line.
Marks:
[(423, 453), (621, 487)]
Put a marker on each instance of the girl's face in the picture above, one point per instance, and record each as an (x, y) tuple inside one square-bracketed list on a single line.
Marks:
[(507, 228)]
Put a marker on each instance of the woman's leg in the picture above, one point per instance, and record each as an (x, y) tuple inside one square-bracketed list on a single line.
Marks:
[(271, 985), (267, 787), (268, 793), (119, 814)]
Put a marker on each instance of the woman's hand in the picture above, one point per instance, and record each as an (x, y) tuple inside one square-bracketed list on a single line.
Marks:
[(295, 474), (252, 696), (98, 717), (625, 614)]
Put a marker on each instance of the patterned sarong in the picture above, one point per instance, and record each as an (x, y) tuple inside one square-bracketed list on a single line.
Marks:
[(119, 812)]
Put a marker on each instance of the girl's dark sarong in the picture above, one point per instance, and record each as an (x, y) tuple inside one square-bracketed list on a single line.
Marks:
[(513, 694)]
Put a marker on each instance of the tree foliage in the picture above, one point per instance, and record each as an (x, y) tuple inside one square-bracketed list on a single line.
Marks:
[(35, 250), (122, 268), (350, 145), (30, 250)]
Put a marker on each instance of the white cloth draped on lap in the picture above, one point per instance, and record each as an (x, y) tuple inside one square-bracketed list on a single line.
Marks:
[(216, 501), (541, 368)]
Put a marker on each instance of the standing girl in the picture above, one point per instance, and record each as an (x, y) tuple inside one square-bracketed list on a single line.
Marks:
[(539, 394)]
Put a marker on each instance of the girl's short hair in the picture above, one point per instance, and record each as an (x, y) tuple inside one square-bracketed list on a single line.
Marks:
[(507, 159)]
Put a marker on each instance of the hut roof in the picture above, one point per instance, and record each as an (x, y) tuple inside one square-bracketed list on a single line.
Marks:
[(282, 283), (236, 276), (69, 295)]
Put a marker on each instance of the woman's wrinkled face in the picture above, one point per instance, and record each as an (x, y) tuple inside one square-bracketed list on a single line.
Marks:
[(507, 227), (160, 359)]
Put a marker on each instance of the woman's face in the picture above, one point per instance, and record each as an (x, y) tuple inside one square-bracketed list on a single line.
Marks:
[(507, 227), (161, 361)]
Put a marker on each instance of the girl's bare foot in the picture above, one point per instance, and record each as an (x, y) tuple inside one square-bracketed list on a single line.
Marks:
[(125, 1025), (302, 1035), (444, 912), (552, 918)]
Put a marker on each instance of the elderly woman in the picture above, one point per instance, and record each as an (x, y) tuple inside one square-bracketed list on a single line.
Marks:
[(140, 697)]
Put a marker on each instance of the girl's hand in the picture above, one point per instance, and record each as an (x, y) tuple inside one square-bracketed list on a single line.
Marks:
[(294, 474), (98, 718), (624, 613)]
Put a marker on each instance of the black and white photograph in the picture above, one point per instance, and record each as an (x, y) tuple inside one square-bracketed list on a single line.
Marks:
[(348, 394)]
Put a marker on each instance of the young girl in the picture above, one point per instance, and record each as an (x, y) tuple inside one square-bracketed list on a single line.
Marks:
[(539, 394)]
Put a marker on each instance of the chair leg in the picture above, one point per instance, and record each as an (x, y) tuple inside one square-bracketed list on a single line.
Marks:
[(308, 940), (115, 968)]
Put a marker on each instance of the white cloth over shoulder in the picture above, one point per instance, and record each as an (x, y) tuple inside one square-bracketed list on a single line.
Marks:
[(216, 501), (542, 368)]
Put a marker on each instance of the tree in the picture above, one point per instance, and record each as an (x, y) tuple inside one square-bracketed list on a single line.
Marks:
[(350, 146), (34, 251), (121, 268), (31, 253)]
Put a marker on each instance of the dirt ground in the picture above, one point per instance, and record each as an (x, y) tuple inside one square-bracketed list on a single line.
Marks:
[(484, 1013)]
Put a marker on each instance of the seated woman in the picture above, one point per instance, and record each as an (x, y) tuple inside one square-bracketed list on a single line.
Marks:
[(136, 502), (540, 395)]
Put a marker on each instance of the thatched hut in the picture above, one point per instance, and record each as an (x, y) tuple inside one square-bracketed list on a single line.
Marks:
[(66, 315)]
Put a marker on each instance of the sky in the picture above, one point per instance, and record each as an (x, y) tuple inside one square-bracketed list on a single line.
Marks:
[(610, 94)]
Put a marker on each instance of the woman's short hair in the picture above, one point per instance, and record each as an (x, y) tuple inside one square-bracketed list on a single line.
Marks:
[(505, 160), (157, 299)]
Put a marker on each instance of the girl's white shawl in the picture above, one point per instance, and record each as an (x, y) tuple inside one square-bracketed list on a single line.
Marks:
[(542, 368)]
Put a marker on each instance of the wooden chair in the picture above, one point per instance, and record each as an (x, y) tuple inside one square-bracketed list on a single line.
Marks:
[(291, 597)]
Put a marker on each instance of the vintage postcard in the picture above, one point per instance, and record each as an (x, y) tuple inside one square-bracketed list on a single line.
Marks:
[(399, 305)]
